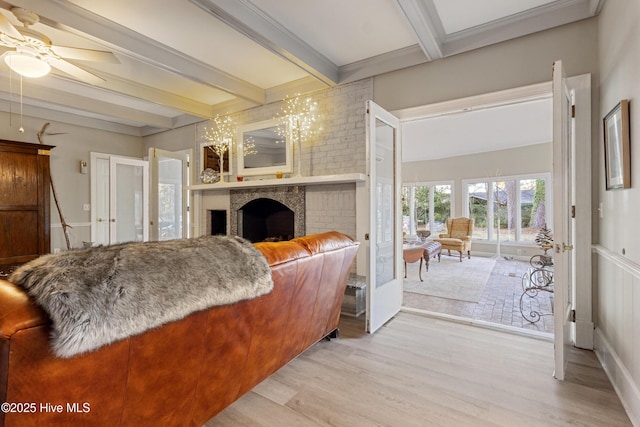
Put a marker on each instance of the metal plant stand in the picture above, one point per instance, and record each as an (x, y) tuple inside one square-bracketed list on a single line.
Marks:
[(538, 278)]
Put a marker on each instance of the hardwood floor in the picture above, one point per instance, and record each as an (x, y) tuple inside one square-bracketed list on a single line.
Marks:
[(419, 371)]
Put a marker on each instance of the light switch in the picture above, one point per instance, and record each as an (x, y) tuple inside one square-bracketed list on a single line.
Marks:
[(601, 210)]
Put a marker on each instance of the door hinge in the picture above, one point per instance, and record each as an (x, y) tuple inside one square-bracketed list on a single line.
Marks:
[(573, 111), (573, 211), (573, 316)]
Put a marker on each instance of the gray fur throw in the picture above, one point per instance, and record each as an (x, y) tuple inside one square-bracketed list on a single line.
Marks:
[(100, 295)]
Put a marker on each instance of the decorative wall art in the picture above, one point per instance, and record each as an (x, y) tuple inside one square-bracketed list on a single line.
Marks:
[(617, 160)]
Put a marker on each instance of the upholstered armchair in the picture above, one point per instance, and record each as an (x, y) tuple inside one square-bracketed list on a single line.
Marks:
[(458, 236)]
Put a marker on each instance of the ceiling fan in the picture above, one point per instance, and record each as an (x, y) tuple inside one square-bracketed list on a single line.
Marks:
[(34, 54)]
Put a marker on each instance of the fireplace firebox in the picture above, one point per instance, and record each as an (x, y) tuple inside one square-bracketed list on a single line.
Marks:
[(268, 213), (266, 220)]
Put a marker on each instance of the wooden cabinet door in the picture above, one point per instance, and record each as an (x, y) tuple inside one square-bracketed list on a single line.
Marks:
[(24, 201)]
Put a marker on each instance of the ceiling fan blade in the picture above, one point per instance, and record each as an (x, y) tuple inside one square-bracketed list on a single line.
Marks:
[(85, 54), (3, 65), (76, 72), (8, 28)]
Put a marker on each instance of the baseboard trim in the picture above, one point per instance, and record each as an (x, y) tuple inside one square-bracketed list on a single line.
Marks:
[(619, 376)]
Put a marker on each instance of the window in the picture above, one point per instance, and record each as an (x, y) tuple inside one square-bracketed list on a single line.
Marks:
[(509, 210), (426, 207)]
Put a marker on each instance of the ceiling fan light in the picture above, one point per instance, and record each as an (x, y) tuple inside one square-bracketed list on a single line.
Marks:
[(27, 65)]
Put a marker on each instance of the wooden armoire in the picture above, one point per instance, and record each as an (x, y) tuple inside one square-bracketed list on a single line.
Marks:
[(24, 201)]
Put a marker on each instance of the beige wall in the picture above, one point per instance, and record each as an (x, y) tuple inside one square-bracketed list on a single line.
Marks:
[(73, 144), (515, 63), (617, 252), (520, 62), (514, 161), (531, 159)]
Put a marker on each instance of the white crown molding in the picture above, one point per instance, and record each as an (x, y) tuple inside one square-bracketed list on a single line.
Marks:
[(129, 88), (595, 6), (380, 64), (73, 119), (530, 21), (274, 94), (85, 106), (256, 24), (178, 122), (423, 18), (304, 85)]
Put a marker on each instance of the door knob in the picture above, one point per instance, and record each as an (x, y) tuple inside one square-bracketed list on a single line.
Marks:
[(113, 220), (559, 248)]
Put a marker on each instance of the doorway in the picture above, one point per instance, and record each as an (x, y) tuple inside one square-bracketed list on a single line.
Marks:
[(495, 284), (413, 173), (119, 199), (169, 198)]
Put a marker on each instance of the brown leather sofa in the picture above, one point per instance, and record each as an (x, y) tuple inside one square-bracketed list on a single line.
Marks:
[(182, 373)]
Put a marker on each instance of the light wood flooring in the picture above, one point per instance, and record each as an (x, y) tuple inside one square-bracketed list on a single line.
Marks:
[(420, 371)]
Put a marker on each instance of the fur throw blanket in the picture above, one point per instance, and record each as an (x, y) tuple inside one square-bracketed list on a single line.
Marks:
[(100, 295)]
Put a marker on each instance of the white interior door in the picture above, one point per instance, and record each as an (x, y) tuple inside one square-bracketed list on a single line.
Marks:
[(384, 280), (100, 233), (562, 222), (169, 181), (129, 200)]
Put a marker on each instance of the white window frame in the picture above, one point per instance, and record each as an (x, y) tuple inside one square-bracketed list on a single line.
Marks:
[(546, 176), (432, 184)]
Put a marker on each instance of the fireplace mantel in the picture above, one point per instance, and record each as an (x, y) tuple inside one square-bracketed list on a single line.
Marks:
[(302, 180)]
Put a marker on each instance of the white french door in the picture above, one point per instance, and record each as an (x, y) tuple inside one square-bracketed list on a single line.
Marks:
[(120, 199), (169, 181), (384, 280), (562, 221), (129, 200)]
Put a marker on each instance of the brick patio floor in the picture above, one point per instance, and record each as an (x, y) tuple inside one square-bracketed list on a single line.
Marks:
[(499, 302)]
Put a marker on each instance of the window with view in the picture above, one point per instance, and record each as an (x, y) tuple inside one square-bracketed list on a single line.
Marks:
[(509, 210), (426, 207)]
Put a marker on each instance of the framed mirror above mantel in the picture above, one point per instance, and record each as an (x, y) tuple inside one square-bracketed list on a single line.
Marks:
[(264, 148)]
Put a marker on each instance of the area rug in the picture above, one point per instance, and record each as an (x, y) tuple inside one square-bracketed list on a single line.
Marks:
[(450, 278)]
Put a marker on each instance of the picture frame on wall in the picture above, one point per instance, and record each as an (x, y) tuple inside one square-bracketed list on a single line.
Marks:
[(617, 161)]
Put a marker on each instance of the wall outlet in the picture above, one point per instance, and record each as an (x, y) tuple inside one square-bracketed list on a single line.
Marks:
[(86, 207), (56, 250)]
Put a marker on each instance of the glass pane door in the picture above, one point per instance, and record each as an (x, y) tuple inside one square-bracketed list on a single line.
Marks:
[(384, 293), (129, 200), (168, 194)]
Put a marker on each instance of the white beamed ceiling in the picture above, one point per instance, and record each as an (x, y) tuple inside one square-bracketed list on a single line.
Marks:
[(183, 61)]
